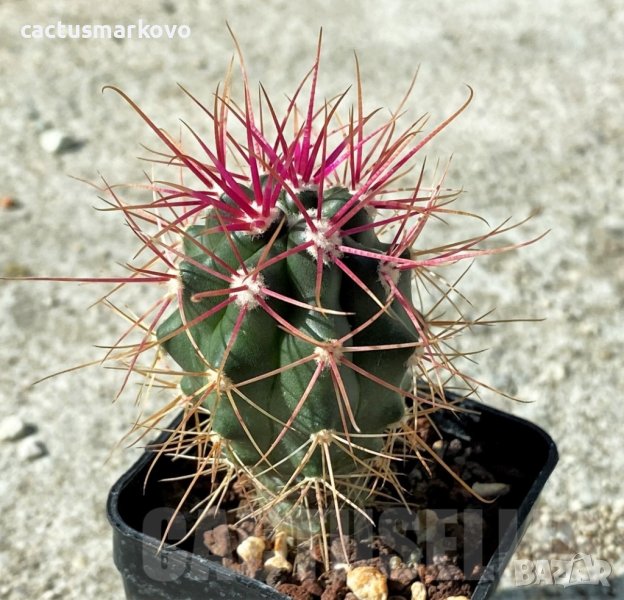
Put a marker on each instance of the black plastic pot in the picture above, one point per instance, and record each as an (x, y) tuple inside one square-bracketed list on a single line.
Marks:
[(138, 512)]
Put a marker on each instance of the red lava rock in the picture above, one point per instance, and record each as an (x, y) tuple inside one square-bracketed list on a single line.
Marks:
[(379, 562), (446, 572), (221, 540), (245, 529), (297, 592), (402, 578), (252, 568), (443, 590), (336, 587), (316, 552), (313, 587), (233, 565), (337, 551), (249, 569), (274, 577), (305, 567)]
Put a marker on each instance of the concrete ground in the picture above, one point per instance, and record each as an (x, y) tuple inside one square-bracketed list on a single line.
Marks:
[(544, 134)]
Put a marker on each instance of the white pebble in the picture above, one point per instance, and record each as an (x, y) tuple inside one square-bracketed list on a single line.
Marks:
[(55, 141), (554, 372), (490, 490), (251, 549), (438, 447), (12, 428), (419, 591), (279, 560), (31, 448), (368, 583)]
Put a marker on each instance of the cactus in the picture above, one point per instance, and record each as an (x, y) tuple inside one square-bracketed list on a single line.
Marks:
[(274, 366), (303, 325)]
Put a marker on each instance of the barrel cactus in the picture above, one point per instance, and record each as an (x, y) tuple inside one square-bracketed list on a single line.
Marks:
[(302, 327), (295, 335)]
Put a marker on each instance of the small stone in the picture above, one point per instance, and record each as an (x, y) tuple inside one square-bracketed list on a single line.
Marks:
[(419, 591), (554, 372), (280, 543), (31, 449), (585, 497), (251, 549), (415, 557), (454, 447), (279, 560), (8, 203), (335, 587), (338, 547), (15, 269), (274, 577), (220, 540), (439, 447), (401, 577), (368, 583), (55, 141), (312, 587), (304, 567), (490, 490), (12, 428), (294, 591)]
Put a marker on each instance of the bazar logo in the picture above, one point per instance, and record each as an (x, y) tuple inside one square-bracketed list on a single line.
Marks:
[(581, 569)]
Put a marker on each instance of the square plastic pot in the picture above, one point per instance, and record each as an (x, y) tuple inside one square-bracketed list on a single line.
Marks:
[(138, 512)]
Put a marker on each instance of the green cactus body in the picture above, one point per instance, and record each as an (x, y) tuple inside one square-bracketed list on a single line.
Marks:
[(278, 388)]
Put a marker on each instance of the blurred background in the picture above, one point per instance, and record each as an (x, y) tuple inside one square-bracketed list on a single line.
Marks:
[(544, 134)]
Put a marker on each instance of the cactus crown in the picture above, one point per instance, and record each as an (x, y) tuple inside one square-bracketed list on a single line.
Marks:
[(288, 322)]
